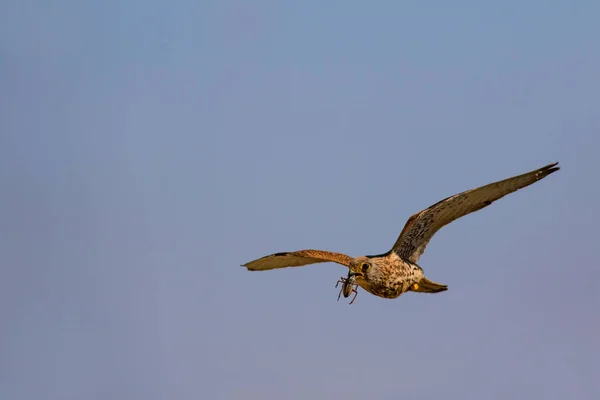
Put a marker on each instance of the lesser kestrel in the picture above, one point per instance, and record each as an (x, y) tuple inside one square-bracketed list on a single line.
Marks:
[(391, 274)]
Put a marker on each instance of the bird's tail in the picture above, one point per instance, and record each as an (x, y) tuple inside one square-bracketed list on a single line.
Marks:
[(427, 286)]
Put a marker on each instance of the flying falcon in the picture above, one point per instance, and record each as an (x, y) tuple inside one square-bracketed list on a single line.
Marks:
[(395, 272)]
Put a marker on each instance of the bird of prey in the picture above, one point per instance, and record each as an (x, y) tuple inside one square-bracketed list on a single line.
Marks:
[(393, 273)]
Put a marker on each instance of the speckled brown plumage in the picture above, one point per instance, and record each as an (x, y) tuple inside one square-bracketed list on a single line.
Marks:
[(297, 259), (391, 274)]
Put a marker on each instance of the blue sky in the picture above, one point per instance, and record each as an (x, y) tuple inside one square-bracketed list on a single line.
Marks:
[(148, 149)]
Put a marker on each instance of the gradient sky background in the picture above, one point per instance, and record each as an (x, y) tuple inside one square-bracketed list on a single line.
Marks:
[(147, 149)]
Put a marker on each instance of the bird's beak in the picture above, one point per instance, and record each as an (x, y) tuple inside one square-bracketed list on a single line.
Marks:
[(354, 273)]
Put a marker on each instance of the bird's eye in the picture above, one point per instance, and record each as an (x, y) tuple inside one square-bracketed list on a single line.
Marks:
[(365, 266)]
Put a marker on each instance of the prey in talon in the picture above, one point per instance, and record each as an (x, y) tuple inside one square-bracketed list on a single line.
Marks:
[(349, 286)]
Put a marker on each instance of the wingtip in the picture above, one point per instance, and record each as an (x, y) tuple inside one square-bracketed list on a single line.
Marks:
[(550, 168)]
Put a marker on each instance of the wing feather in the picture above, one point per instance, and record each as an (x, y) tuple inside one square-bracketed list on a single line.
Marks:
[(296, 259), (421, 227)]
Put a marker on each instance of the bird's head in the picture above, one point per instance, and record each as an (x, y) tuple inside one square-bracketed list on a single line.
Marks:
[(363, 268)]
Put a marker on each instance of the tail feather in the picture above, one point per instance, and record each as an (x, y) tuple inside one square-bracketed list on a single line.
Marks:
[(427, 286)]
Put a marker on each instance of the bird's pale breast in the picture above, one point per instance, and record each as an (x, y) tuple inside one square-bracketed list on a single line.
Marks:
[(395, 277)]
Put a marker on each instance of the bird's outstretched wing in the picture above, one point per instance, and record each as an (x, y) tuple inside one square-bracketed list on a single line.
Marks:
[(421, 227), (296, 259)]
